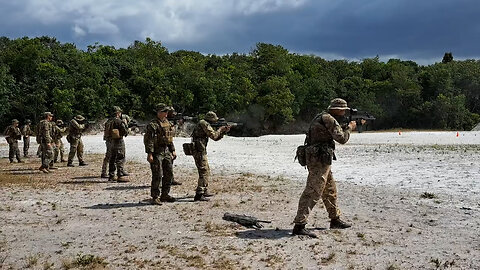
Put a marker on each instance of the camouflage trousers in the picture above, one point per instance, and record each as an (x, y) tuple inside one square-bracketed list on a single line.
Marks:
[(76, 147), (13, 151), (59, 149), (162, 171), (106, 159), (47, 154), (320, 184), (26, 145), (117, 157), (201, 161)]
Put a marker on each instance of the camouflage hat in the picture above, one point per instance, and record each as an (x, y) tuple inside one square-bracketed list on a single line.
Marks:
[(338, 104), (28, 121), (59, 122), (79, 118), (45, 114), (162, 107), (15, 121), (211, 116), (116, 109)]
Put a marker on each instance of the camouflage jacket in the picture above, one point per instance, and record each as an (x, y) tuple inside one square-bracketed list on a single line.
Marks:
[(324, 128), (202, 131), (58, 132), (45, 131), (12, 133), (75, 129), (27, 131), (159, 136), (115, 123)]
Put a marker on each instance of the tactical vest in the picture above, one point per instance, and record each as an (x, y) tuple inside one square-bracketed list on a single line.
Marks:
[(164, 132)]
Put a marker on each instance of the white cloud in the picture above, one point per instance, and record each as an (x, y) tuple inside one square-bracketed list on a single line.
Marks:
[(174, 21)]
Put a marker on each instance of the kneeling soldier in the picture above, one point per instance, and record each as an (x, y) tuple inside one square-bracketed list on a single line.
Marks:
[(158, 140)]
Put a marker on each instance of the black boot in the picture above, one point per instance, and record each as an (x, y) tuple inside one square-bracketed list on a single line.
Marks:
[(167, 198), (200, 197), (70, 164), (82, 163), (337, 223), (299, 229)]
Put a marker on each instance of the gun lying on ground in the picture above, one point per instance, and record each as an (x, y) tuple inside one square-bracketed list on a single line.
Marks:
[(222, 122), (247, 221)]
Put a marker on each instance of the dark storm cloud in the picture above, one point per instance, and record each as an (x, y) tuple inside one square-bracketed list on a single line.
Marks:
[(417, 30)]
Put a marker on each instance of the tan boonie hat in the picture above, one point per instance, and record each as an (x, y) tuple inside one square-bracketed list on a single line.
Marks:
[(45, 114), (79, 118), (211, 116), (338, 104), (15, 121)]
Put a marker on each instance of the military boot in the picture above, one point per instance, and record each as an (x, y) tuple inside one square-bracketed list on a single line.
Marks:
[(124, 173), (200, 197), (208, 194), (122, 179), (70, 164), (337, 223), (299, 229), (156, 201), (82, 163), (167, 198), (104, 175)]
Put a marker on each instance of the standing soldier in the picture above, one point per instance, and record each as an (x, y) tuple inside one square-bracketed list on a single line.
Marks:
[(45, 139), (202, 131), (158, 140), (74, 137), (324, 130), (59, 131), (12, 135), (26, 132), (115, 129)]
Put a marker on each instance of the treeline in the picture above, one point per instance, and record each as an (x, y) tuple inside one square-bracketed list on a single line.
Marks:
[(268, 87)]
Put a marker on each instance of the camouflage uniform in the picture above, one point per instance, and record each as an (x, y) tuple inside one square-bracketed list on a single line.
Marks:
[(58, 133), (158, 140), (117, 147), (74, 137), (202, 131), (106, 159), (324, 129), (12, 135), (45, 139), (26, 132)]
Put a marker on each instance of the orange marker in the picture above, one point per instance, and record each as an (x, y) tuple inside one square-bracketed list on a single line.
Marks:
[(399, 132), (458, 134)]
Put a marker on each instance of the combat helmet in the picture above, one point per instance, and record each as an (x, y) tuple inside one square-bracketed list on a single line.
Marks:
[(338, 104), (211, 117), (28, 121)]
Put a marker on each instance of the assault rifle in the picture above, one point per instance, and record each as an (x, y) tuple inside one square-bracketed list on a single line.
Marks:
[(247, 221), (222, 122), (176, 118), (356, 115), (134, 124)]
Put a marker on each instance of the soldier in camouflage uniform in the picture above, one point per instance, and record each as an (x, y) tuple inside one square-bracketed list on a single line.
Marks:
[(26, 132), (107, 139), (158, 140), (45, 139), (324, 130), (59, 131), (12, 135), (74, 137), (115, 129), (202, 131)]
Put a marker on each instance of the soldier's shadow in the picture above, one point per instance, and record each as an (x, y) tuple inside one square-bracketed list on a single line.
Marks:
[(106, 206), (127, 187), (269, 233)]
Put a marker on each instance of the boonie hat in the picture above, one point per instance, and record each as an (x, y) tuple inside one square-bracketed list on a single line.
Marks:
[(79, 118), (211, 116), (162, 107), (338, 104)]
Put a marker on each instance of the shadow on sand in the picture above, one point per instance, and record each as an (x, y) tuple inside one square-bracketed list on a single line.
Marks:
[(127, 187), (120, 205), (269, 233)]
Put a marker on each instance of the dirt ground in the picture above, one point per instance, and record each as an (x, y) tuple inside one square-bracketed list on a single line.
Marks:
[(72, 219)]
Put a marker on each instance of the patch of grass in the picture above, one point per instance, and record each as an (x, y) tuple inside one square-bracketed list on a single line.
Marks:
[(392, 267), (225, 263), (428, 195), (89, 260), (361, 236), (32, 260)]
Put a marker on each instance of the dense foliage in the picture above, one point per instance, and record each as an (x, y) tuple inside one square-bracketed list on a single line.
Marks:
[(269, 87)]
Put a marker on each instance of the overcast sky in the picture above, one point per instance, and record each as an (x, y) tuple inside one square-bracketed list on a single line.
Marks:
[(419, 30)]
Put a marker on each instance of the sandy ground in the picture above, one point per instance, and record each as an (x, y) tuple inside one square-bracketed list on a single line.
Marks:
[(414, 200)]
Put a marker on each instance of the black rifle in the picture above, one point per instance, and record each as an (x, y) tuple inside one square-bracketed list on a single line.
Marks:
[(175, 117), (222, 122), (355, 115), (247, 221), (134, 123)]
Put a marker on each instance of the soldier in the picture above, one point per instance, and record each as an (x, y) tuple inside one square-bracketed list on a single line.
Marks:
[(115, 129), (202, 131), (45, 139), (323, 131), (107, 139), (12, 135), (158, 140), (26, 132), (59, 130), (74, 137)]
